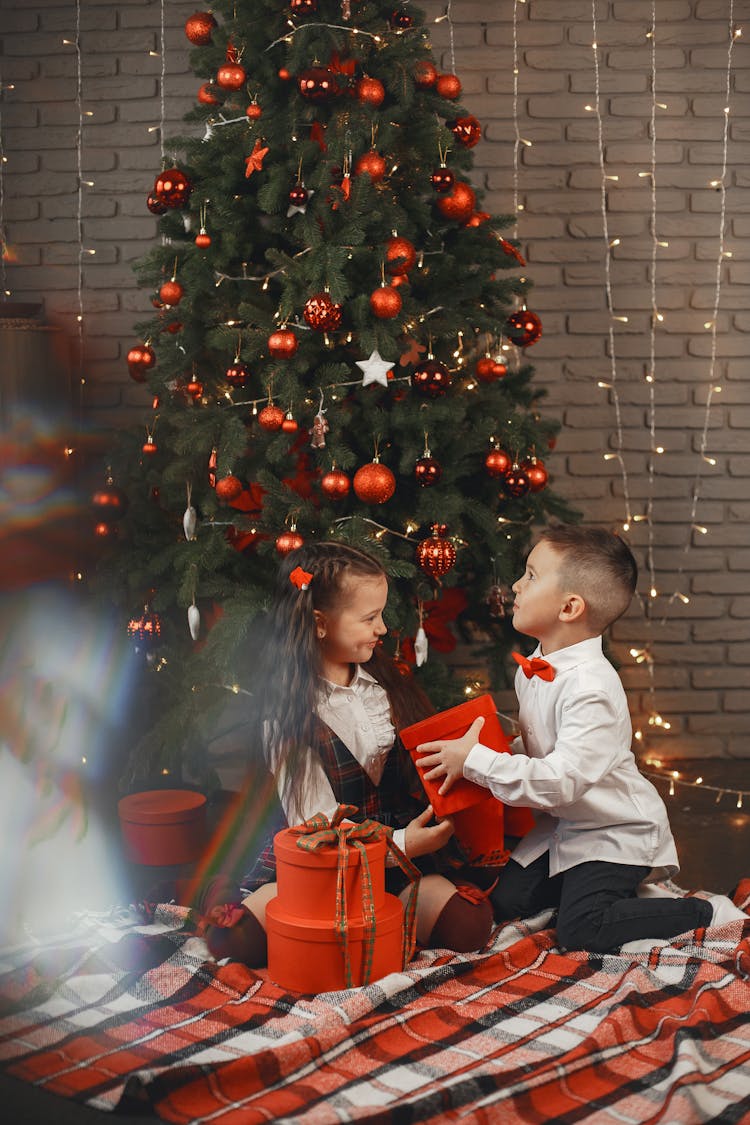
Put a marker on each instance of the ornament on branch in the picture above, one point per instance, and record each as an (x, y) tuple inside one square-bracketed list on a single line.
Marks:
[(254, 111), (289, 425), (375, 369), (194, 387), (442, 180), (171, 292), (230, 75), (212, 463), (271, 417), (282, 344), (421, 645), (497, 462), (207, 94), (374, 483), (425, 74), (194, 621), (385, 302), (317, 84), (489, 369), (198, 28), (322, 313), (431, 378), (427, 470), (141, 359), (536, 472), (289, 540), (299, 197), (228, 488), (109, 502), (459, 203), (320, 427), (203, 238), (512, 251), (370, 91), (149, 447), (515, 482), (496, 599), (190, 517), (145, 631), (436, 554), (523, 328), (335, 484), (448, 86), (466, 130), (155, 206), (413, 352), (254, 162), (172, 188), (373, 164), (400, 255), (400, 20), (303, 7), (237, 373)]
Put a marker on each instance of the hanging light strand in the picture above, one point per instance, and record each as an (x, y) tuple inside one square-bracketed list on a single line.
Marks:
[(516, 132), (79, 201), (5, 292)]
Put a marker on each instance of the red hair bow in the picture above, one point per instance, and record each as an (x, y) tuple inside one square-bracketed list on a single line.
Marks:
[(300, 578)]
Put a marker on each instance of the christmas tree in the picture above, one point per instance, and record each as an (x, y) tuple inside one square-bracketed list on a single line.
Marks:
[(338, 351)]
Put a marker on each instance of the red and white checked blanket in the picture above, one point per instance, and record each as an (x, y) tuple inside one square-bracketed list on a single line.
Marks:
[(519, 1033)]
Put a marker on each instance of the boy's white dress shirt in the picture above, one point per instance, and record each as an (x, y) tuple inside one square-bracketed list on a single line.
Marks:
[(573, 765)]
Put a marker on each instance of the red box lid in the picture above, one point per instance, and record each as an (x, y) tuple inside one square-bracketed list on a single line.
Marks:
[(161, 806), (452, 724)]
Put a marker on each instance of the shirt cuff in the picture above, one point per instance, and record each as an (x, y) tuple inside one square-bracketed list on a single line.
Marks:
[(399, 839), (479, 763)]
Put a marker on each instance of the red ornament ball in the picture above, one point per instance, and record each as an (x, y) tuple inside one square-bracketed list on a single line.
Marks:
[(317, 84), (523, 328), (373, 164), (466, 130), (442, 180), (303, 7), (374, 483), (174, 327), (431, 378), (400, 21), (282, 344), (371, 91), (459, 203), (290, 425), (448, 86), (298, 196), (171, 292), (436, 554), (271, 417), (155, 206), (198, 28), (537, 474), (145, 631), (228, 488), (237, 374), (140, 359), (322, 313), (231, 76), (516, 483), (109, 503), (149, 447), (194, 388), (400, 255), (203, 239), (427, 471), (207, 94), (288, 541), (254, 111), (284, 74), (485, 369), (425, 74), (172, 188), (335, 484), (497, 462), (386, 302)]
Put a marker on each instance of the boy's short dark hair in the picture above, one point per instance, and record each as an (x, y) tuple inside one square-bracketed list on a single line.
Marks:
[(598, 565)]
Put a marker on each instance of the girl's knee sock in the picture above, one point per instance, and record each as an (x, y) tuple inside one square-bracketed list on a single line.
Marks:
[(462, 926), (233, 931)]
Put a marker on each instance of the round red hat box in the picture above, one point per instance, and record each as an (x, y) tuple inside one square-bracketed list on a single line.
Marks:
[(163, 827), (305, 955), (307, 880)]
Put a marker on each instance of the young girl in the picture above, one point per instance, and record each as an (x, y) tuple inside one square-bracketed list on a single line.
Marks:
[(331, 703)]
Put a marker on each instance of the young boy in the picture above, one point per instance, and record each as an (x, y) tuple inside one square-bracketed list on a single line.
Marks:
[(601, 827)]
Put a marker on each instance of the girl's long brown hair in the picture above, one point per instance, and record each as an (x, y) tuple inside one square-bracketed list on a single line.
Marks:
[(291, 658)]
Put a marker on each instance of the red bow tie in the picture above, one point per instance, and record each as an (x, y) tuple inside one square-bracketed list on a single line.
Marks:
[(534, 667)]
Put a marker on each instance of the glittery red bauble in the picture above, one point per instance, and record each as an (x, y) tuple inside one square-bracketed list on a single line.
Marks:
[(228, 488), (427, 471), (386, 302), (271, 417), (303, 7), (537, 474), (400, 255), (317, 84), (231, 76), (203, 239), (400, 21), (516, 483), (436, 555), (171, 292), (442, 180), (497, 462), (459, 204), (254, 111), (374, 483), (322, 313), (371, 91), (237, 374), (172, 188), (199, 27), (466, 130), (335, 484), (140, 359), (288, 541), (290, 425), (207, 94), (155, 206), (373, 164), (145, 630), (523, 328), (298, 196), (431, 378), (425, 74), (109, 503), (282, 344), (448, 86)]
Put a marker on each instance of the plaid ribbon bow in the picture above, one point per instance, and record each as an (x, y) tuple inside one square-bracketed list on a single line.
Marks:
[(318, 832)]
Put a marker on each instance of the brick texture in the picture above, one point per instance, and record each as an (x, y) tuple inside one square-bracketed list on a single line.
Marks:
[(561, 231)]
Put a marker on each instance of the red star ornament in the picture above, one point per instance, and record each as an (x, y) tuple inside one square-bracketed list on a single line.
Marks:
[(254, 162)]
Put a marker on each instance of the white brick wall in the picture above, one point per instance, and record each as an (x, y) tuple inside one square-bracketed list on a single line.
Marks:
[(702, 652)]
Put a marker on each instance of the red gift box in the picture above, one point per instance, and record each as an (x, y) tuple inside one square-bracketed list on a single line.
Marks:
[(162, 827), (307, 880), (452, 724)]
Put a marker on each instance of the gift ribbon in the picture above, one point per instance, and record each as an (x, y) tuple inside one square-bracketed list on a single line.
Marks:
[(319, 832)]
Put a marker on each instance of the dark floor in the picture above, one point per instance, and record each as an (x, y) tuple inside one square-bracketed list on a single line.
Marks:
[(713, 840)]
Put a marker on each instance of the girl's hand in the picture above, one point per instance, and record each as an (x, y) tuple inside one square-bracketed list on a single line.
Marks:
[(446, 759), (419, 839)]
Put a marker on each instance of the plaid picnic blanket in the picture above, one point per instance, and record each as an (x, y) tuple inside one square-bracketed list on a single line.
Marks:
[(118, 1010)]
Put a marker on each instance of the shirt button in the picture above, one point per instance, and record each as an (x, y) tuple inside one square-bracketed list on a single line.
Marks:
[(364, 726)]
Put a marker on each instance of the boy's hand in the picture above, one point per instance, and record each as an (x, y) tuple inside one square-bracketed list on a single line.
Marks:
[(446, 759), (419, 839)]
